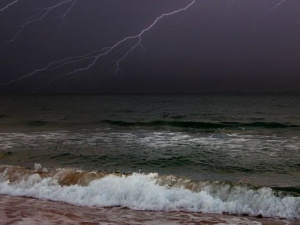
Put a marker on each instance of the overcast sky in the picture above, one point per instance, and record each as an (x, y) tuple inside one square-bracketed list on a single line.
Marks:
[(79, 46)]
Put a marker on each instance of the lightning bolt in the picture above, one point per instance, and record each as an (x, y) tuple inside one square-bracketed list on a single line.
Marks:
[(274, 7), (137, 36), (8, 5), (41, 15), (92, 58), (57, 65), (68, 10), (95, 55)]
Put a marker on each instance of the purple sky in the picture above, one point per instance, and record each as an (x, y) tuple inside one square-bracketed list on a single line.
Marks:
[(212, 45)]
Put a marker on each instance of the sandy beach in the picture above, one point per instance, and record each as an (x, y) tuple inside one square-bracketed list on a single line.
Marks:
[(22, 210)]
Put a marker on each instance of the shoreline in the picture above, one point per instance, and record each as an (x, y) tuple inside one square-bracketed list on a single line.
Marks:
[(26, 210)]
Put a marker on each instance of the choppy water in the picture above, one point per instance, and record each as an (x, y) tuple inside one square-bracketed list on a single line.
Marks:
[(192, 153)]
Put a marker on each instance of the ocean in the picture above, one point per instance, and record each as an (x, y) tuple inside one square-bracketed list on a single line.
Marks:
[(150, 159)]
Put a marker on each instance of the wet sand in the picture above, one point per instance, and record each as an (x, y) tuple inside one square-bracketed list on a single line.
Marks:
[(31, 211)]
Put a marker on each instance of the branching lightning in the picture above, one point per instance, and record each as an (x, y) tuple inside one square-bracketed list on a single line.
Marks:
[(91, 56), (57, 65), (94, 57), (41, 15), (138, 37)]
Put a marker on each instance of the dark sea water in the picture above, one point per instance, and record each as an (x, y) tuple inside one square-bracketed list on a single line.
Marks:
[(192, 154)]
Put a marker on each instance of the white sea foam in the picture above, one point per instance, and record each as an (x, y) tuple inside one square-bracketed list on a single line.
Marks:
[(145, 192)]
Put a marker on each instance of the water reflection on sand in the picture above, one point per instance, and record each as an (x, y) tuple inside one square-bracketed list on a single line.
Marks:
[(23, 210)]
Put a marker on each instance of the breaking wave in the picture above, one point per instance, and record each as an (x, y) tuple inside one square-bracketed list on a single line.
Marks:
[(146, 192), (158, 123)]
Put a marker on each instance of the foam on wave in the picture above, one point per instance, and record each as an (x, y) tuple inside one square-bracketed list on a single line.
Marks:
[(145, 192)]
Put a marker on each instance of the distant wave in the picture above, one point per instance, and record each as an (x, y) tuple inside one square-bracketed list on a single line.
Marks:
[(157, 123), (147, 192), (202, 125)]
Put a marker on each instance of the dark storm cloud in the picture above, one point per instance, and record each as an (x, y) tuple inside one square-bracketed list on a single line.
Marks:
[(214, 44)]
